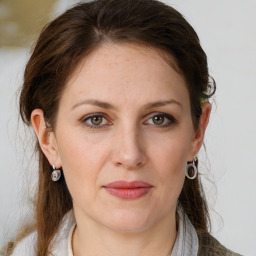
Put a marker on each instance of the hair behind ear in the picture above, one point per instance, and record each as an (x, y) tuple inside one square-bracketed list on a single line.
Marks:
[(52, 203), (192, 200)]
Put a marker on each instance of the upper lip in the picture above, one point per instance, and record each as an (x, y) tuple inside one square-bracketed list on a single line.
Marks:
[(128, 184)]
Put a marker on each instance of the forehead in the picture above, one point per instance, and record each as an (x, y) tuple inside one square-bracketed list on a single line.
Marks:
[(126, 72)]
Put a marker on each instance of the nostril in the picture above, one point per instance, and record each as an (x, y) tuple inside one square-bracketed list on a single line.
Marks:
[(133, 159), (139, 164)]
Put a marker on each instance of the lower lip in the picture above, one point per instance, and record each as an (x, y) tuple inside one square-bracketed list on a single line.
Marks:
[(128, 193)]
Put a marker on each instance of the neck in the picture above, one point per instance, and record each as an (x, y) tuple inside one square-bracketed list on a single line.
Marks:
[(91, 238)]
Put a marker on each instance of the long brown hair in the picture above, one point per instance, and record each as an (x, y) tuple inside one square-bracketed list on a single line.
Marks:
[(59, 49)]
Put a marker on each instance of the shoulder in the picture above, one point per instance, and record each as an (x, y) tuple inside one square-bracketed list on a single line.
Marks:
[(210, 246), (26, 247), (59, 244)]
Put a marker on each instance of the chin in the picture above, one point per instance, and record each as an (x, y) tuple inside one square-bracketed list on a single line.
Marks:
[(125, 221)]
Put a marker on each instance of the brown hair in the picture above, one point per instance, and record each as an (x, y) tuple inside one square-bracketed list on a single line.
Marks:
[(59, 49)]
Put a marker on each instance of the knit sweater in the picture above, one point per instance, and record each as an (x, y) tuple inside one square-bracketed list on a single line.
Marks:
[(209, 246)]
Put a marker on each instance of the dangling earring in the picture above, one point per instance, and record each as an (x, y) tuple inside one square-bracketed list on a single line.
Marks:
[(189, 166), (56, 174)]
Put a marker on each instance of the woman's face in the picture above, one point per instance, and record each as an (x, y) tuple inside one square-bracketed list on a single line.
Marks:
[(123, 137)]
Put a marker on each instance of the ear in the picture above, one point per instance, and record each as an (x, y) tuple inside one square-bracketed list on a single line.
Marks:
[(200, 131), (46, 137)]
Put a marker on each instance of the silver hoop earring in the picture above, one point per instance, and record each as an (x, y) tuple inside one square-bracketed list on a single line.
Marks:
[(189, 166), (56, 174)]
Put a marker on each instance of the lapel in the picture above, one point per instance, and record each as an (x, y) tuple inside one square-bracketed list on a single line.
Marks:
[(210, 246)]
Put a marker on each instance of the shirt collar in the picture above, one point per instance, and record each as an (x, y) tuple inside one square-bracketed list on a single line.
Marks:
[(186, 243)]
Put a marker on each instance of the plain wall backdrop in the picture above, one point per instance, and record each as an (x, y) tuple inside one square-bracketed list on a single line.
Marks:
[(226, 29)]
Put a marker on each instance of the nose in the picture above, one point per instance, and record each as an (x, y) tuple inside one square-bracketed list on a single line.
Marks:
[(128, 150)]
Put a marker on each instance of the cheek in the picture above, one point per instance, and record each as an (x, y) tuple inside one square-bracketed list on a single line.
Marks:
[(80, 150), (82, 159), (170, 151), (169, 156)]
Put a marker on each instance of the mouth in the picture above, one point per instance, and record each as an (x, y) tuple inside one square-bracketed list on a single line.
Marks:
[(128, 190)]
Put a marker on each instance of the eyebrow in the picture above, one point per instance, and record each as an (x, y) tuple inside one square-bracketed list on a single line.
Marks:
[(161, 104), (107, 105), (94, 102)]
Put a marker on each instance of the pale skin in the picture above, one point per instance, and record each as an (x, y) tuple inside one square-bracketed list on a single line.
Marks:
[(144, 131)]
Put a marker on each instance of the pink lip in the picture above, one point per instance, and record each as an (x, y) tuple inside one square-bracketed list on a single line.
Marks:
[(128, 190)]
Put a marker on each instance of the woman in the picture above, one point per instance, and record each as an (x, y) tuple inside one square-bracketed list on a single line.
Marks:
[(117, 93)]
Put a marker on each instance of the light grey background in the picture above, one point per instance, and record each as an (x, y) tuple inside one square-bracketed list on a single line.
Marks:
[(227, 32)]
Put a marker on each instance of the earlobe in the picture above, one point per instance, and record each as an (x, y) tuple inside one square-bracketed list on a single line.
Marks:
[(200, 131), (45, 136)]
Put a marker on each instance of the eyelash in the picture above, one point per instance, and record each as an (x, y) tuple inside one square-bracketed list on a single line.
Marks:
[(171, 120), (89, 117)]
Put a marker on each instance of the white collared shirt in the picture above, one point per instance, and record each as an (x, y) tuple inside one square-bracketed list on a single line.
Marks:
[(186, 243)]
